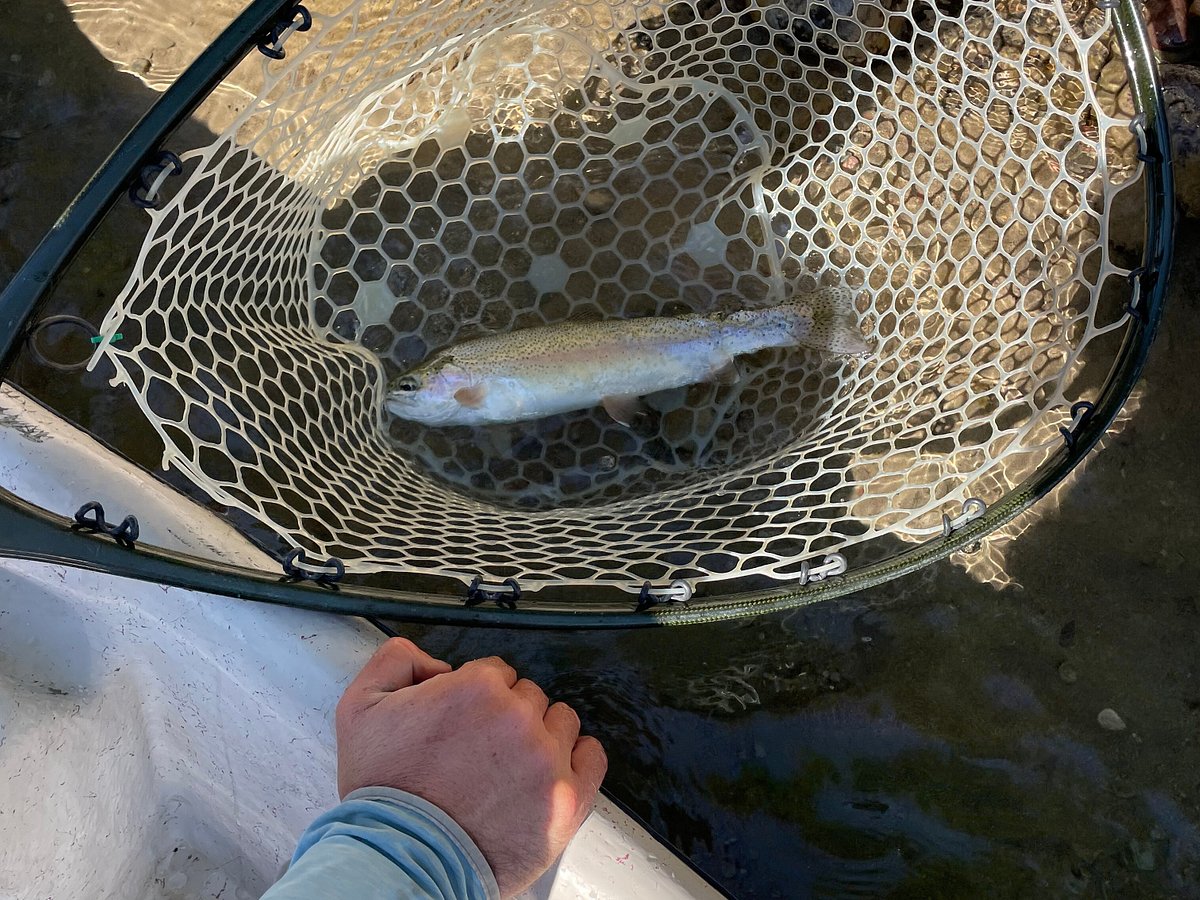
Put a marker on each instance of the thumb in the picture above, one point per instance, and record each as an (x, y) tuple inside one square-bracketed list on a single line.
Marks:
[(397, 664)]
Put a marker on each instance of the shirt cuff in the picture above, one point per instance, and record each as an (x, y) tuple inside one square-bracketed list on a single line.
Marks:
[(440, 823), (380, 844)]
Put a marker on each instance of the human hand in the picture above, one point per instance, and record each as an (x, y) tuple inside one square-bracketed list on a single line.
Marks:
[(484, 747)]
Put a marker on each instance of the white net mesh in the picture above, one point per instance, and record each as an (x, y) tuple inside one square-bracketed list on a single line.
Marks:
[(416, 175)]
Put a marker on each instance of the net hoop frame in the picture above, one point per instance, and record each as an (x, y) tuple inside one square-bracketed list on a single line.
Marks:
[(28, 532)]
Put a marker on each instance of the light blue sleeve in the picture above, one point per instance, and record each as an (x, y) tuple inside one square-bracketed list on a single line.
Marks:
[(384, 844)]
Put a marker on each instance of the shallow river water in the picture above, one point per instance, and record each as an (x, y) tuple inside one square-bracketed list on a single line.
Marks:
[(942, 736)]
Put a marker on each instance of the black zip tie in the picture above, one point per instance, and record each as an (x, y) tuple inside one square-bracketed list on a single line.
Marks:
[(1081, 411), (271, 44), (477, 594), (1132, 308), (144, 191), (646, 600), (90, 519), (294, 571)]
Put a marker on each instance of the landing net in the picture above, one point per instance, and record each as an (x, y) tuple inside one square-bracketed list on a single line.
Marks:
[(414, 175)]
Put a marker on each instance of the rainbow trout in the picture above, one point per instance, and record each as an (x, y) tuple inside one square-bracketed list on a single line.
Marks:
[(538, 372)]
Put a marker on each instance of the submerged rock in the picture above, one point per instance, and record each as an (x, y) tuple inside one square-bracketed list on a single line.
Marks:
[(1110, 721), (1181, 97), (1067, 673)]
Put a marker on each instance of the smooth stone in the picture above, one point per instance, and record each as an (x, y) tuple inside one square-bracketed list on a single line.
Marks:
[(1110, 721)]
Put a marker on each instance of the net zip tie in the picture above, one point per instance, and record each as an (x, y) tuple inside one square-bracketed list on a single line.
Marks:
[(90, 519), (297, 566), (144, 191), (505, 593), (298, 18), (972, 509), (1081, 412), (832, 565), (678, 591), (1137, 127), (1133, 307)]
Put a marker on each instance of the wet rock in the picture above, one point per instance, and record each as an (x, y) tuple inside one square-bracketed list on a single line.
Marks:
[(1141, 855), (1181, 96), (1110, 721), (599, 200), (1067, 673)]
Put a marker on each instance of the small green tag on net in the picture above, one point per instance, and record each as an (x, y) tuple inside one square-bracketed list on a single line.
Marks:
[(99, 339)]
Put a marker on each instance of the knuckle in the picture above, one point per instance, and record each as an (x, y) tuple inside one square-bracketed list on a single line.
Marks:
[(531, 688), (398, 646), (484, 683), (491, 668), (567, 714), (592, 746)]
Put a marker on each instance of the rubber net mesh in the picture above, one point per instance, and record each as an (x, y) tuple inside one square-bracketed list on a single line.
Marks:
[(417, 174)]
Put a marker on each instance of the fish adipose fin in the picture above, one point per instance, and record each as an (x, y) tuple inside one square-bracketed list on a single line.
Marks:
[(471, 397), (624, 408)]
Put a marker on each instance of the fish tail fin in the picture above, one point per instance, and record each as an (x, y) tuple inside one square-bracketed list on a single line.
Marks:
[(823, 320), (828, 321)]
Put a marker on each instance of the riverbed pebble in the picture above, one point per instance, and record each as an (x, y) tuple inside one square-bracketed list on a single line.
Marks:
[(1110, 721)]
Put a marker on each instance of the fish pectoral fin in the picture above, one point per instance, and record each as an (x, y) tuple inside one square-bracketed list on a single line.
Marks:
[(726, 373), (471, 397), (624, 408)]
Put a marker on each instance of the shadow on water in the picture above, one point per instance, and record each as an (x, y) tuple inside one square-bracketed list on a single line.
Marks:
[(933, 737)]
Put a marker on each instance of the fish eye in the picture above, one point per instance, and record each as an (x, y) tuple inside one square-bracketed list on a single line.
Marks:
[(408, 383)]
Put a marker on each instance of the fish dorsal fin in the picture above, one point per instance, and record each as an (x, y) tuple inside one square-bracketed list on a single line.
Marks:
[(471, 397), (624, 408)]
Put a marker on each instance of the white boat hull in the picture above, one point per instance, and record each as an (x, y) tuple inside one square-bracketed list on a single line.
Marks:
[(159, 743)]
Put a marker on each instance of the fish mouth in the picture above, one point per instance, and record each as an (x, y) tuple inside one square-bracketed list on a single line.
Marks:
[(413, 407)]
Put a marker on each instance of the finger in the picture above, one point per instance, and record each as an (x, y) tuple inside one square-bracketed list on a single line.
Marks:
[(533, 695), (590, 763), (492, 663), (563, 724), (397, 664)]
